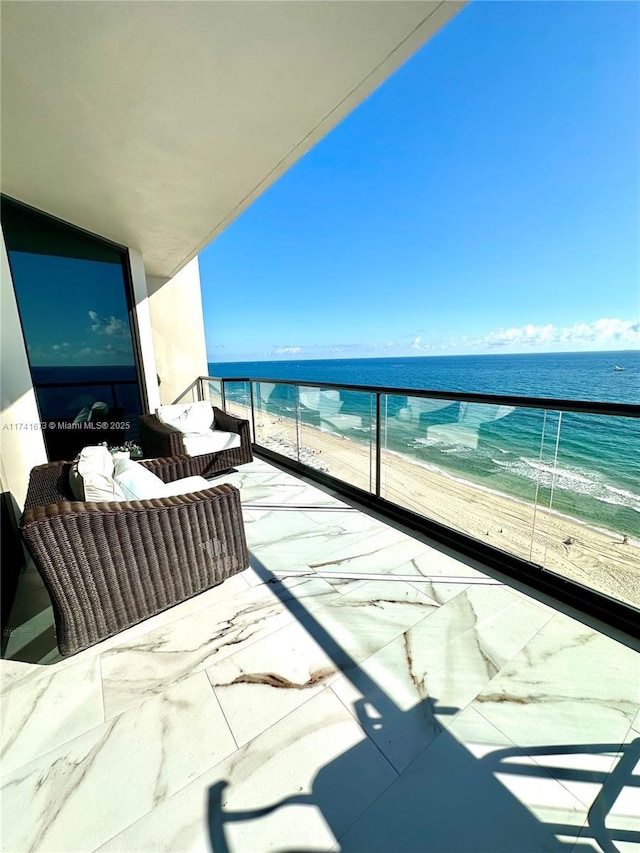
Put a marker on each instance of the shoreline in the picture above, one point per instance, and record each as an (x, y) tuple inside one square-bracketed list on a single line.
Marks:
[(568, 546), (605, 531)]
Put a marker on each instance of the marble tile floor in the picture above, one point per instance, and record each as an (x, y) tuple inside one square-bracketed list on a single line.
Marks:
[(355, 689)]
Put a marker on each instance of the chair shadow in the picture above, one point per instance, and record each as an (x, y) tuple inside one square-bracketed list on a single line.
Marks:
[(611, 784), (446, 800)]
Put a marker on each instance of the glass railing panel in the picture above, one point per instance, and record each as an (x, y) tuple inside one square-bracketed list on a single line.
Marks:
[(275, 407), (337, 433), (469, 466), (589, 504), (212, 391), (189, 395), (237, 399)]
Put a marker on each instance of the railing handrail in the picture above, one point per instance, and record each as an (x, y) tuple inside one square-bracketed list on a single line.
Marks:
[(625, 410)]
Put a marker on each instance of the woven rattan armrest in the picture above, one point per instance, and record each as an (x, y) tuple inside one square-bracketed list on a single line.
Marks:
[(159, 439), (229, 423)]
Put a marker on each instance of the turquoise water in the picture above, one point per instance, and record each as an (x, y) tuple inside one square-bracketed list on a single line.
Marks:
[(591, 462)]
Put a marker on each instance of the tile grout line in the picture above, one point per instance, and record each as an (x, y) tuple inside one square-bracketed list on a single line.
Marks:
[(398, 774), (364, 732), (104, 709), (390, 576), (219, 704), (388, 760)]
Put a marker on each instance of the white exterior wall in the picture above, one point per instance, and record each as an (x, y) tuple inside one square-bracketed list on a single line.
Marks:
[(177, 324), (145, 334), (21, 442)]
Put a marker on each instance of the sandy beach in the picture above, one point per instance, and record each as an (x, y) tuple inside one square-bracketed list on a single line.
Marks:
[(593, 557)]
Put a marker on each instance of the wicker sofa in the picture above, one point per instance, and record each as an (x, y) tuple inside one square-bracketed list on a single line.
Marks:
[(108, 566), (159, 439)]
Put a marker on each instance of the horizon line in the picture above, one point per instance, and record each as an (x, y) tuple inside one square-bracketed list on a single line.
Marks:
[(271, 360)]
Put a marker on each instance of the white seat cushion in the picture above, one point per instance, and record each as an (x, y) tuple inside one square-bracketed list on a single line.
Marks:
[(211, 441), (187, 417), (92, 476), (185, 486), (136, 482)]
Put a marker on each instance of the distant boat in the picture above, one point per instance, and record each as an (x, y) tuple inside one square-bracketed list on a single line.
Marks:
[(618, 367)]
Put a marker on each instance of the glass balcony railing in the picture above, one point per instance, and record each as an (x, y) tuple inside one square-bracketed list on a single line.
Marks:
[(553, 483), (337, 434), (211, 389), (236, 399)]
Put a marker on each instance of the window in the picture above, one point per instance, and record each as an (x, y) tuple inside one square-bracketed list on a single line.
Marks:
[(73, 296)]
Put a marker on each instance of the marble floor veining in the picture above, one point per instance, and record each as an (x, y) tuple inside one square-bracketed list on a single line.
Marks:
[(355, 689)]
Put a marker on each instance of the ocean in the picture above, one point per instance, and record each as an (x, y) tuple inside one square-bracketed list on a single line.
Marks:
[(585, 466)]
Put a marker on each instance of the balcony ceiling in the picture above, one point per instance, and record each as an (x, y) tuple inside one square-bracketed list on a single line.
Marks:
[(156, 124)]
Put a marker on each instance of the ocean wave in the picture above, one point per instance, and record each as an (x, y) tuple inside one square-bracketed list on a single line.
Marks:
[(445, 449), (451, 449), (580, 482)]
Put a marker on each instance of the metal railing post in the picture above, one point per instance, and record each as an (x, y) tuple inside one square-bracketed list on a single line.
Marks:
[(378, 454), (223, 395), (298, 422), (253, 413)]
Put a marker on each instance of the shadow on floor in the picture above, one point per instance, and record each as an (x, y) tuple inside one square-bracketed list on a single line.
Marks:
[(29, 634), (446, 800)]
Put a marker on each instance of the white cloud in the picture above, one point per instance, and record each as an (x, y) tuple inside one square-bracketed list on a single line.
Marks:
[(107, 325), (599, 332), (286, 350)]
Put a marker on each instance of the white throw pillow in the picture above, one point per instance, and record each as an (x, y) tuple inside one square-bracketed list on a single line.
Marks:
[(91, 476), (136, 482), (187, 417)]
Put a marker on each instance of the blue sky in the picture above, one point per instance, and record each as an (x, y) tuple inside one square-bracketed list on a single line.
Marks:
[(486, 198)]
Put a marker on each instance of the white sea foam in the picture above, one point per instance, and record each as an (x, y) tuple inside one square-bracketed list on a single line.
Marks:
[(580, 482), (422, 442), (502, 494), (446, 449)]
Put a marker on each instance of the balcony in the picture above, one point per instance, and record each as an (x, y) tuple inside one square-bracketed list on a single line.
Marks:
[(546, 489), (359, 688)]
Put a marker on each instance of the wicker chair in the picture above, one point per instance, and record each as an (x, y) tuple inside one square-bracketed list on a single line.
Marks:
[(107, 566), (158, 439)]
